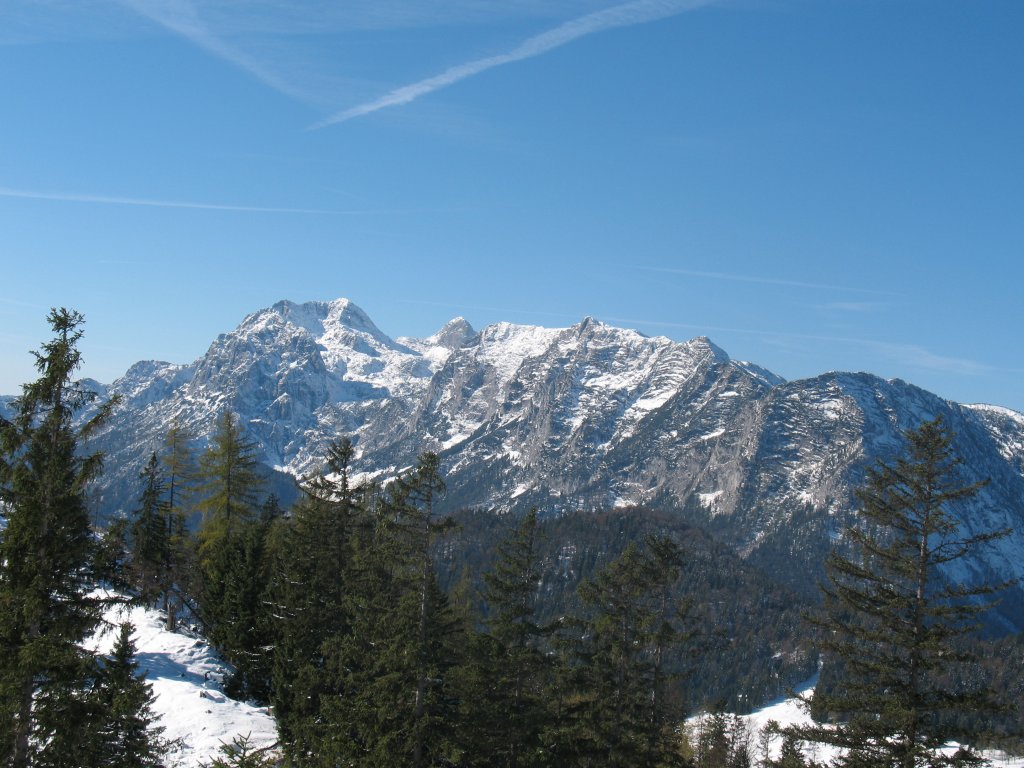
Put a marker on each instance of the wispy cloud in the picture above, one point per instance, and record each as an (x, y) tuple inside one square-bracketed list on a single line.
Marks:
[(20, 303), (851, 306), (919, 357), (460, 307), (182, 18), (66, 197), (766, 281), (624, 15), (908, 354)]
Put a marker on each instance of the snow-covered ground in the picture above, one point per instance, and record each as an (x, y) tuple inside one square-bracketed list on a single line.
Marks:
[(186, 675), (787, 712)]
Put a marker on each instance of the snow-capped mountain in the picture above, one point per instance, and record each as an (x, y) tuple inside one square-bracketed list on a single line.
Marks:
[(588, 416)]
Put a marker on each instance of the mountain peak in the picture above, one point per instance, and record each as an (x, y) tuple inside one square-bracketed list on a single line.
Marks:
[(706, 344), (347, 313), (455, 333), (589, 325), (327, 320)]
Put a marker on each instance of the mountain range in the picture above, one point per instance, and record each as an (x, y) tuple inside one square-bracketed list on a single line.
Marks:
[(589, 417)]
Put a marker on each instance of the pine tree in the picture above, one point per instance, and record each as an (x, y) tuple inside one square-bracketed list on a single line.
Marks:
[(721, 740), (393, 670), (413, 502), (790, 754), (242, 628), (46, 557), (127, 735), (765, 739), (240, 753), (311, 577), (150, 542), (891, 618), (504, 678), (231, 543), (179, 466), (620, 715)]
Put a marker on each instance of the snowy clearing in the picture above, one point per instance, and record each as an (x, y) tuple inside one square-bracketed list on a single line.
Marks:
[(186, 675)]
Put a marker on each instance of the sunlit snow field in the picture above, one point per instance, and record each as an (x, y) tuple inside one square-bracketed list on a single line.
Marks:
[(186, 675)]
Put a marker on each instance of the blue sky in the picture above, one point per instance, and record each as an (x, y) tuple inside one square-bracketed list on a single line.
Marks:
[(814, 184)]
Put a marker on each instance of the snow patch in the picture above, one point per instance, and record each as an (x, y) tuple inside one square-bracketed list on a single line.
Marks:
[(186, 676), (505, 346), (709, 500), (790, 711), (711, 436)]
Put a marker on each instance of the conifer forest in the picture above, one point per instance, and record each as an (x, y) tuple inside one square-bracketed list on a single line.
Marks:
[(380, 627)]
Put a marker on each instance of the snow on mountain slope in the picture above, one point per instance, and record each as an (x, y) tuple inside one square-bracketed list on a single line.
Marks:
[(585, 417), (185, 674)]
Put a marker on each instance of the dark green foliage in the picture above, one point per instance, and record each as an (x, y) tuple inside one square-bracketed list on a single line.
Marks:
[(1000, 667), (238, 579), (233, 574), (150, 538), (417, 644), (110, 560), (505, 675), (47, 558), (891, 621), (365, 640), (621, 714), (179, 468), (127, 735), (791, 754), (311, 573), (240, 753), (719, 740), (751, 646)]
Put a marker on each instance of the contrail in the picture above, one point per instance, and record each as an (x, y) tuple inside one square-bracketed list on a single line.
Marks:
[(111, 200), (624, 15), (180, 17), (765, 280)]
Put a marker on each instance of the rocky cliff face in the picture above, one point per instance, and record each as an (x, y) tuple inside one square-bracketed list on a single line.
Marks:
[(587, 417)]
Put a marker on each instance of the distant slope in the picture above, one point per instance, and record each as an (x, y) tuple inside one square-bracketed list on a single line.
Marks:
[(587, 417), (749, 643)]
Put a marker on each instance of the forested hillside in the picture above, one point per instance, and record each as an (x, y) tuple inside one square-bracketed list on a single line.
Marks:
[(382, 628)]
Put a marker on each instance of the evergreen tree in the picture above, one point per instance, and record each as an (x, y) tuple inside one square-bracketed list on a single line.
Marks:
[(765, 739), (127, 736), (149, 537), (503, 681), (242, 628), (790, 754), (240, 753), (721, 741), (179, 468), (434, 653), (620, 715), (232, 570), (311, 576), (891, 618), (46, 558), (396, 703)]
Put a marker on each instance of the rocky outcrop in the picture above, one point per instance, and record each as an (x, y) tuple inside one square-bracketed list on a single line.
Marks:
[(586, 417)]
